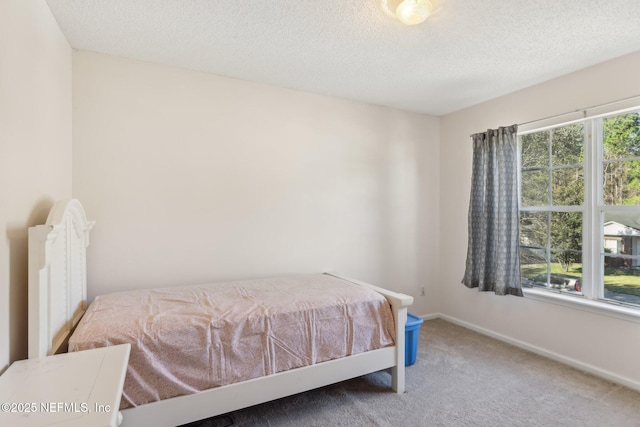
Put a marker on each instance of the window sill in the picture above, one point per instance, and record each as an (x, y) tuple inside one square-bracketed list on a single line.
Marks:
[(580, 303)]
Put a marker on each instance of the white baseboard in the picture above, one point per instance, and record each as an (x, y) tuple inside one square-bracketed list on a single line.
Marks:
[(431, 316), (610, 376)]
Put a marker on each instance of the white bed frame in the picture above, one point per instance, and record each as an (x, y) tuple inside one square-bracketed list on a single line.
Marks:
[(58, 299)]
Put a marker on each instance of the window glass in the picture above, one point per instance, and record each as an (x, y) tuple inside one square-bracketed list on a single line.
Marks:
[(566, 231), (621, 253), (535, 188), (621, 184), (554, 217), (566, 271), (568, 145), (568, 187), (535, 150), (533, 264), (621, 137), (552, 179), (533, 228), (621, 280)]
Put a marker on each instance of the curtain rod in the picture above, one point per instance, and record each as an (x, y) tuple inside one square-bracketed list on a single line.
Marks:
[(584, 111)]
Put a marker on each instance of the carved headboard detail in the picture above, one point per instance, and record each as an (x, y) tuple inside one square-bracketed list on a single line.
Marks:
[(57, 277)]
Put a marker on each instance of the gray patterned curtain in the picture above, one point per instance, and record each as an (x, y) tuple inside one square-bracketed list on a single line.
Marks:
[(493, 253)]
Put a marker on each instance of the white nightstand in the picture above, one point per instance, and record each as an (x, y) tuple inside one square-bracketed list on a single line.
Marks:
[(78, 389)]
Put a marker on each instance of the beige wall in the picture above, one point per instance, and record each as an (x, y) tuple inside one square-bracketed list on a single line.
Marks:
[(35, 149), (194, 177), (608, 345)]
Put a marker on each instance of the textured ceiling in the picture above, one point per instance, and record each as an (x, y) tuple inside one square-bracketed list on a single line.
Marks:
[(469, 51)]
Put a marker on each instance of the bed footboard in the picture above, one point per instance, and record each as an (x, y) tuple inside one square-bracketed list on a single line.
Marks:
[(399, 303)]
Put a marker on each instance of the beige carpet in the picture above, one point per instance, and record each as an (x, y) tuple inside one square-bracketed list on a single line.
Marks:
[(461, 378)]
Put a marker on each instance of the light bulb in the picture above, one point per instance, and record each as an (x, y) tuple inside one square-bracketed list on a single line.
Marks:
[(412, 12)]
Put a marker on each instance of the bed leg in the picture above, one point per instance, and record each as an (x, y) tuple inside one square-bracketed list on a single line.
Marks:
[(397, 372), (397, 379)]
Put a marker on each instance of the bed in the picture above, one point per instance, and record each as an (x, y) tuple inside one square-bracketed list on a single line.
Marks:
[(60, 318)]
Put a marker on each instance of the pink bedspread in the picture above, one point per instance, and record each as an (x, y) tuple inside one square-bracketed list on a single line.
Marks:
[(191, 338)]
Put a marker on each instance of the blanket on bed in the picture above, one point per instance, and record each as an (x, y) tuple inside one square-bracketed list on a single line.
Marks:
[(191, 338)]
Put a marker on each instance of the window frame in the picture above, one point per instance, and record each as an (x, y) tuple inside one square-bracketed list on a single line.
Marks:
[(593, 211)]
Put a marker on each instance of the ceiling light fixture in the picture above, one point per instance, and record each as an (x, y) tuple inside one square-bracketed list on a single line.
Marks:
[(412, 12)]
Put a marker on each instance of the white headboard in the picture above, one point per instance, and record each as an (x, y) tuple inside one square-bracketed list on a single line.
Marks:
[(57, 277)]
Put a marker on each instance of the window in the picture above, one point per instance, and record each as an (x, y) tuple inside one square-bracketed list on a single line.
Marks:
[(580, 208)]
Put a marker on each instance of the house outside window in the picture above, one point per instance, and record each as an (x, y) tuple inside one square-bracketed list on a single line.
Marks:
[(580, 208)]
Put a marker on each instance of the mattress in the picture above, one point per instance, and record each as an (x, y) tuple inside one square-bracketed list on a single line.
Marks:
[(192, 338)]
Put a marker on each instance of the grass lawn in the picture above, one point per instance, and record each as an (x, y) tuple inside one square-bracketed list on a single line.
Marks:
[(624, 281), (535, 270)]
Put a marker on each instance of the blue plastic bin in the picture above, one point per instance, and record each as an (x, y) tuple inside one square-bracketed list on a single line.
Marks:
[(411, 333)]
